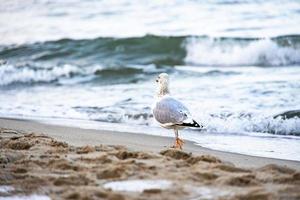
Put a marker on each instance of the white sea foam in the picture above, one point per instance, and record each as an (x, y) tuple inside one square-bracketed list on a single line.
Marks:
[(29, 74), (257, 123), (23, 74), (208, 51), (137, 185)]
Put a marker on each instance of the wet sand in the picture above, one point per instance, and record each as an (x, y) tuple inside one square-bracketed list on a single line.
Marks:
[(72, 163), (137, 142)]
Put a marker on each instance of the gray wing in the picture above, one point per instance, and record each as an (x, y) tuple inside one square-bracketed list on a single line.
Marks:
[(170, 110)]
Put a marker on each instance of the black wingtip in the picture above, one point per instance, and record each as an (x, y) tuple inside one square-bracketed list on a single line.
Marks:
[(197, 125), (194, 124)]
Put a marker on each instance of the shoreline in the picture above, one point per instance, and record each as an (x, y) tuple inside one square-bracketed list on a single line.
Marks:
[(136, 142)]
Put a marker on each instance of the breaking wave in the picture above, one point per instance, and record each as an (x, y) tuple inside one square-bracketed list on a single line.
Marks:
[(162, 51), (255, 52), (28, 74), (66, 58), (230, 123), (71, 74)]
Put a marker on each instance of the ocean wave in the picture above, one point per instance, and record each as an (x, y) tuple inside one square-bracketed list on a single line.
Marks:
[(161, 51), (288, 114), (232, 124), (107, 51), (227, 52), (129, 59), (252, 123), (10, 74), (72, 74), (220, 122)]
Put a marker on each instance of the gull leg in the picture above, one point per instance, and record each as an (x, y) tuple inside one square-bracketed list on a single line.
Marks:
[(178, 142)]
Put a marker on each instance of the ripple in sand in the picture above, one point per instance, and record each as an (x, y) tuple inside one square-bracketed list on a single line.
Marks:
[(138, 185)]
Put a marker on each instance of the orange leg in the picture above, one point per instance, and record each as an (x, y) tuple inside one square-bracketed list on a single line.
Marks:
[(178, 142)]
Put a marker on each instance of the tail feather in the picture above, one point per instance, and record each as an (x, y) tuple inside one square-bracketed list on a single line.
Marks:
[(193, 124)]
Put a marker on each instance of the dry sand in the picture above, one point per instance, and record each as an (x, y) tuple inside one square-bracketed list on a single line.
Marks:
[(71, 163)]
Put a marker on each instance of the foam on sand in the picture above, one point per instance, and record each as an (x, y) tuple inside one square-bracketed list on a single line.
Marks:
[(6, 189), (30, 197)]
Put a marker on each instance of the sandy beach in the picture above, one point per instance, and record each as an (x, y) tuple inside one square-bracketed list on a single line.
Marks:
[(71, 163)]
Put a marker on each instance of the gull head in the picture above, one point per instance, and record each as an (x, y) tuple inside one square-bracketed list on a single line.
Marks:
[(163, 79), (163, 84)]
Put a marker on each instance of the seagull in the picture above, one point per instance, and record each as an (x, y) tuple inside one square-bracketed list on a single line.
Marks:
[(171, 113)]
